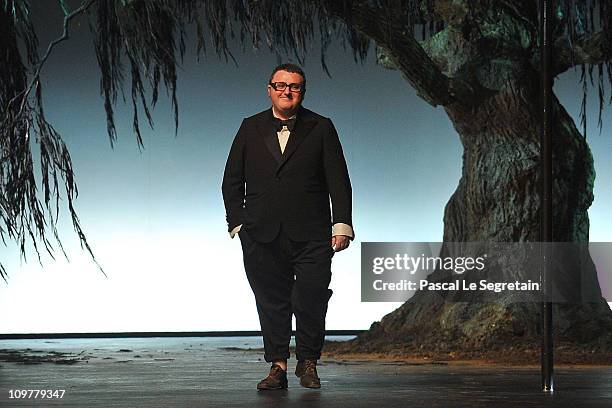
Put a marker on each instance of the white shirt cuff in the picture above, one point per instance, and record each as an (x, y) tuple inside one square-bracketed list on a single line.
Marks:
[(342, 229), (235, 231)]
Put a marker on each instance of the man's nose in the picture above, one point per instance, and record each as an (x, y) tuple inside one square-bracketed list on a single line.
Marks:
[(287, 91)]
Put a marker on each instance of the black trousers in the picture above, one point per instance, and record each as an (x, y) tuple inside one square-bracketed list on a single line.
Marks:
[(289, 277)]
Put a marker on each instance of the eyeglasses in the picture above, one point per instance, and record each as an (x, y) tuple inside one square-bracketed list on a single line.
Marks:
[(281, 86)]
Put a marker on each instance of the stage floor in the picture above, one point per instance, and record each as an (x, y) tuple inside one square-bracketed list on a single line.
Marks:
[(219, 372)]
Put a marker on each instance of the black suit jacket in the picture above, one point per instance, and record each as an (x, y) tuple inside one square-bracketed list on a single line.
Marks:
[(263, 188)]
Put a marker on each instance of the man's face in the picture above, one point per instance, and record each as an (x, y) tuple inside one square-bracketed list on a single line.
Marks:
[(286, 101)]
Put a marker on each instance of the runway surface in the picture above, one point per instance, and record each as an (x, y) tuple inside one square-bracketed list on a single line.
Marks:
[(222, 372)]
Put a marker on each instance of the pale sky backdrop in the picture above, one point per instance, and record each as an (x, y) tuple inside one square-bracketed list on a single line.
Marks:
[(156, 221)]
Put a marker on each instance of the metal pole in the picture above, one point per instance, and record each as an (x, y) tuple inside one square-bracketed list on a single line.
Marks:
[(546, 21)]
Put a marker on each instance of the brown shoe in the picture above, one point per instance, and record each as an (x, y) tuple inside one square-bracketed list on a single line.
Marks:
[(307, 371), (276, 380)]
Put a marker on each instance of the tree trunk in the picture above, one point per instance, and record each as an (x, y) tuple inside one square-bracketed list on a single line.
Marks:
[(498, 200)]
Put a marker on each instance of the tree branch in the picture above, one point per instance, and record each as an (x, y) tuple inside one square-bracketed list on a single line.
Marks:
[(586, 50), (397, 41), (23, 213), (36, 77)]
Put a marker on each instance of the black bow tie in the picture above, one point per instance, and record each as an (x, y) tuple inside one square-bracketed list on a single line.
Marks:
[(290, 123)]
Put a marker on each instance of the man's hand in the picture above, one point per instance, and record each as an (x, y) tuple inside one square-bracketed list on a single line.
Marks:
[(340, 242)]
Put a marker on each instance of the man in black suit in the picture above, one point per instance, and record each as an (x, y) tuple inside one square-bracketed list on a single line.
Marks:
[(283, 167)]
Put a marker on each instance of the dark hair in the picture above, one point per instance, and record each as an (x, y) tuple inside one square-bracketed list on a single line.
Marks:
[(289, 67)]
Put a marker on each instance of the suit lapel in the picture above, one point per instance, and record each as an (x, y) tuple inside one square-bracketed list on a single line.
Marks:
[(270, 138), (297, 136), (303, 126)]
